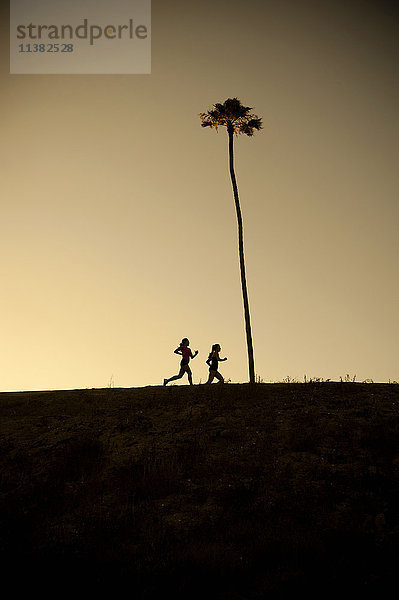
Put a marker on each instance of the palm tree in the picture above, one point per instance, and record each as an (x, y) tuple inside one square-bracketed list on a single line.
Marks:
[(237, 119)]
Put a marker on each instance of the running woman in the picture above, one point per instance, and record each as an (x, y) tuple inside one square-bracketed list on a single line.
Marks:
[(186, 354), (213, 360)]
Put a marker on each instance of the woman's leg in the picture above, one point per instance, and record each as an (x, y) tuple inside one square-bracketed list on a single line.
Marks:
[(179, 376), (211, 376), (219, 376), (190, 375)]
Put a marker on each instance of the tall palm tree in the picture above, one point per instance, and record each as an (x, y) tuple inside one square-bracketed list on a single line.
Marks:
[(237, 119)]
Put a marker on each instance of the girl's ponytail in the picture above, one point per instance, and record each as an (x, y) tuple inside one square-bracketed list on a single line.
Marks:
[(214, 349)]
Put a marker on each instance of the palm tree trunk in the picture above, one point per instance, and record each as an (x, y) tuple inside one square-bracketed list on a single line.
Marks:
[(242, 261)]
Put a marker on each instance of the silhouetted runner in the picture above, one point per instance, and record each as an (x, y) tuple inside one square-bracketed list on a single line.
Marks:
[(186, 353), (212, 361)]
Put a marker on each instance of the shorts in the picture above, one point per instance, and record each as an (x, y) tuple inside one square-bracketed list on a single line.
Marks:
[(183, 362)]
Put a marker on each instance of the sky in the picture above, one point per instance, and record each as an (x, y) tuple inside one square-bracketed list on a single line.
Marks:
[(118, 227)]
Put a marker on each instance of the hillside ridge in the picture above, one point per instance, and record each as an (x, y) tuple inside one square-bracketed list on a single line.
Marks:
[(232, 491)]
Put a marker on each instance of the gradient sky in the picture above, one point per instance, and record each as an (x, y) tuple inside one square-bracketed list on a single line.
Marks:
[(118, 229)]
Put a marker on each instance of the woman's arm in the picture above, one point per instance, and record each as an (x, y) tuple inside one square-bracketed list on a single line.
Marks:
[(195, 354), (178, 351)]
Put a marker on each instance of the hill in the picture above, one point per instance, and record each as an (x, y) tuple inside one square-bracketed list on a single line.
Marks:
[(234, 492)]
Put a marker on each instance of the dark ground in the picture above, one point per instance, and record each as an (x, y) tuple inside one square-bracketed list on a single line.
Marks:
[(233, 492)]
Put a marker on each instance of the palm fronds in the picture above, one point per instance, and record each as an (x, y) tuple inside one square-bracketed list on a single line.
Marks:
[(233, 115)]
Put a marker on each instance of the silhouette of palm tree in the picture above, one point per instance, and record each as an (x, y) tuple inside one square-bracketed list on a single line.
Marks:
[(237, 119)]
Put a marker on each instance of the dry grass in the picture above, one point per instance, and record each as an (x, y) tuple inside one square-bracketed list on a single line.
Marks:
[(231, 492)]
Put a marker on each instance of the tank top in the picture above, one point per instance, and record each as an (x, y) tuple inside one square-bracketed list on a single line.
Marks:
[(186, 352), (214, 363)]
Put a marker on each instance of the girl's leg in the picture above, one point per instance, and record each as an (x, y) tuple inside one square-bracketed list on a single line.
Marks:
[(190, 375), (219, 376), (211, 376), (179, 376)]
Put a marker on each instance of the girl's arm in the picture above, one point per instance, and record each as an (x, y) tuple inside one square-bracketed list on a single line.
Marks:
[(208, 361), (178, 350), (195, 354), (222, 359)]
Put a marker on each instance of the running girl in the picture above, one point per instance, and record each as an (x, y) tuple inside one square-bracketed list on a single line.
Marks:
[(213, 360), (186, 354)]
